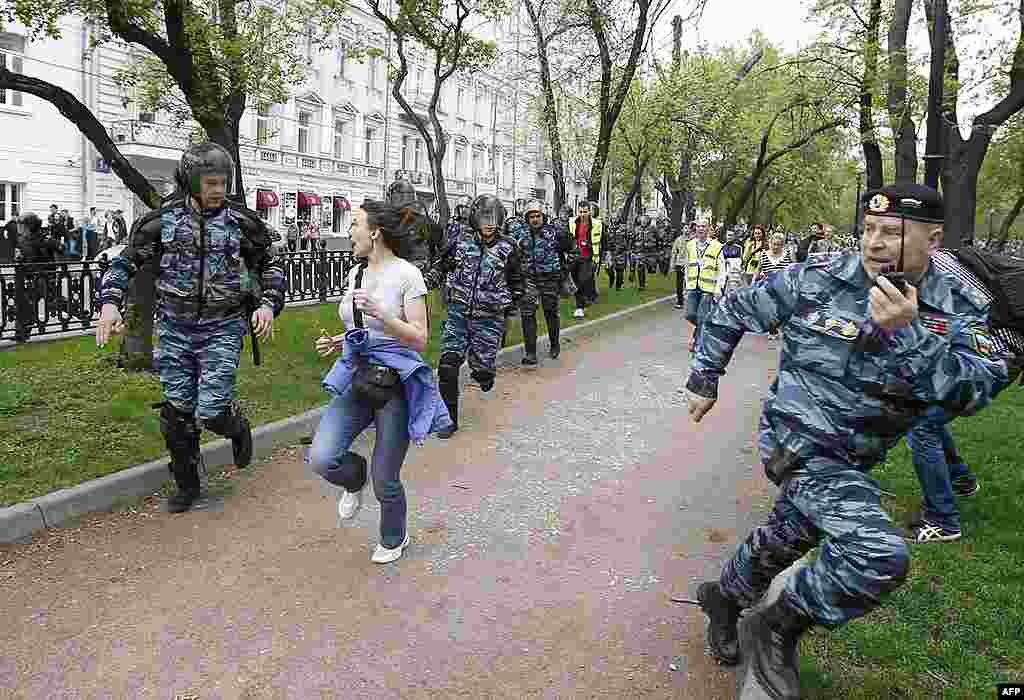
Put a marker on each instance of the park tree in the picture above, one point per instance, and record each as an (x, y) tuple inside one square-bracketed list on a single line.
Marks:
[(205, 60), (1003, 81), (444, 30)]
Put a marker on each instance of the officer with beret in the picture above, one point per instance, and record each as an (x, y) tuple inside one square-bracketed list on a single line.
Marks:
[(858, 367)]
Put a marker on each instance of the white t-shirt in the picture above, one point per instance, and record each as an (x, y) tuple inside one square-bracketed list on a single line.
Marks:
[(392, 287)]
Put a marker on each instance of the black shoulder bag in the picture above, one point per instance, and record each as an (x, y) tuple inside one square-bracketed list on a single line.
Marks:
[(372, 384)]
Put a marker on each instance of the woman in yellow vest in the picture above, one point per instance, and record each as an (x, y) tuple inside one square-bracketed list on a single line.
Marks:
[(752, 250), (705, 278)]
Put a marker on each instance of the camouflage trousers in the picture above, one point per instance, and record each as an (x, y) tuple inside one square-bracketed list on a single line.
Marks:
[(862, 556), (478, 338), (198, 363), (545, 290)]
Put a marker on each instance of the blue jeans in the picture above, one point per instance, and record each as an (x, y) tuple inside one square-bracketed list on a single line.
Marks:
[(340, 425), (938, 465)]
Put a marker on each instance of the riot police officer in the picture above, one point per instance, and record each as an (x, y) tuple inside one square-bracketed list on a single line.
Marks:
[(216, 274), (617, 243), (860, 363), (542, 250), (480, 266), (427, 240)]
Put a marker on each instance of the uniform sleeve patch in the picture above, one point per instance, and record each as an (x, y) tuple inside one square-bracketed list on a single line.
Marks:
[(981, 342), (935, 323)]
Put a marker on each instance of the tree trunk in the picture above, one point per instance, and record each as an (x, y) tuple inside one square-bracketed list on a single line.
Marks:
[(90, 127), (900, 117), (1004, 229), (868, 134), (550, 109), (960, 182)]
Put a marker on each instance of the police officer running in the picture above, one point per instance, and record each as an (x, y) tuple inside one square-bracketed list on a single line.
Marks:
[(481, 268), (215, 274), (858, 366), (427, 234), (542, 250)]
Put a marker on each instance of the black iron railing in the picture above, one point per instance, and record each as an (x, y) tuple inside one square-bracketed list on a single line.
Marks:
[(40, 299)]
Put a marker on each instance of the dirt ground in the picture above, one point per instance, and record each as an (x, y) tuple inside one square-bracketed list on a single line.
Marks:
[(547, 538)]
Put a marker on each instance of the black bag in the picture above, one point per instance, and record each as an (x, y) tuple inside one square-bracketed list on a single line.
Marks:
[(372, 384), (1004, 278)]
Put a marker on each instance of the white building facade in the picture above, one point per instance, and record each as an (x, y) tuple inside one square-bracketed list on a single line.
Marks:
[(340, 138)]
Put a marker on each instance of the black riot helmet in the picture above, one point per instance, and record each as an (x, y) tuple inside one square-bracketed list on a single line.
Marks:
[(643, 221), (565, 212), (487, 210), (206, 158), (401, 192), (595, 211), (520, 207), (461, 212)]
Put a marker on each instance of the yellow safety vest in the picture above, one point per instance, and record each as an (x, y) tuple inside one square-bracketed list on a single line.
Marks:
[(707, 280), (596, 228), (753, 260)]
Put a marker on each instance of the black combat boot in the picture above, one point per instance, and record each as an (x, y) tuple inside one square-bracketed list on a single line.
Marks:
[(185, 468), (450, 396), (771, 641), (234, 426), (554, 322), (529, 340), (723, 615)]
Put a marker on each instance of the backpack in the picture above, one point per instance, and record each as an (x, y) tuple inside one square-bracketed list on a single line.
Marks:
[(1004, 278)]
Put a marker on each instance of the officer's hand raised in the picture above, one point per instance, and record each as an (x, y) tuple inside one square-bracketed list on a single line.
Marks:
[(890, 308), (110, 324), (699, 406)]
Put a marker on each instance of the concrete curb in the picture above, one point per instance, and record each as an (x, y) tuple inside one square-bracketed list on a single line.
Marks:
[(22, 519)]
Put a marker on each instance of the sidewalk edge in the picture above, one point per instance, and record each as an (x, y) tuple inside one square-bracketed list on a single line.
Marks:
[(19, 521)]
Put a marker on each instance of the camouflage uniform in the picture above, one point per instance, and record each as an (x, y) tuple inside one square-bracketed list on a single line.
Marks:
[(212, 270), (542, 254), (484, 282), (664, 247), (618, 250), (645, 248), (844, 394)]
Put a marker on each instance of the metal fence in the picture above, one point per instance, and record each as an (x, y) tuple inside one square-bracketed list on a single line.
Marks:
[(40, 299)]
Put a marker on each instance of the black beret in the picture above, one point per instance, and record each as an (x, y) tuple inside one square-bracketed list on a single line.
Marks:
[(908, 200)]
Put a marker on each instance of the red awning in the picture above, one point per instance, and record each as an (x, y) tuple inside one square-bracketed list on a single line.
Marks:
[(266, 199), (342, 204), (309, 199)]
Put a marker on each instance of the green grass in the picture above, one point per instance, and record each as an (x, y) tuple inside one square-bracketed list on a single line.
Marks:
[(67, 414), (956, 628)]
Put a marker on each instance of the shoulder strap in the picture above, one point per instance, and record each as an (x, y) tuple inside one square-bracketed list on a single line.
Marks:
[(357, 315)]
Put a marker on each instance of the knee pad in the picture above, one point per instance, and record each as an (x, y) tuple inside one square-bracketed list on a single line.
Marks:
[(228, 422), (388, 491), (448, 367), (178, 427)]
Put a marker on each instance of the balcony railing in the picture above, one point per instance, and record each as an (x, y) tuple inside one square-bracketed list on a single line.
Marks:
[(133, 131)]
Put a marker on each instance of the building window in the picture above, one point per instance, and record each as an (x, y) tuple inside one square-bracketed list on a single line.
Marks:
[(420, 87), (405, 153), (476, 107), (339, 139), (368, 149), (460, 155), (418, 156), (305, 120), (13, 62), (460, 101), (263, 125), (10, 201), (342, 57), (476, 164), (372, 67)]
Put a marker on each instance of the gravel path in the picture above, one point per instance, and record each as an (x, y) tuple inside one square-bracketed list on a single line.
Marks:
[(548, 536)]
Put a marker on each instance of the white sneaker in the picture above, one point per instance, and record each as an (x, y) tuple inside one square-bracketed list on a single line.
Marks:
[(383, 555), (579, 313), (349, 504)]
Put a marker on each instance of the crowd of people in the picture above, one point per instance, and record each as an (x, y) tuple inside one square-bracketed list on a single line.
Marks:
[(30, 239), (889, 341)]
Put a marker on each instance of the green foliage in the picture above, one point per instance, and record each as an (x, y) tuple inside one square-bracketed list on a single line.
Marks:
[(67, 414), (956, 628)]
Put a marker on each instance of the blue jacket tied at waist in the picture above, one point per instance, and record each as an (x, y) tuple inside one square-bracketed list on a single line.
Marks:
[(427, 412)]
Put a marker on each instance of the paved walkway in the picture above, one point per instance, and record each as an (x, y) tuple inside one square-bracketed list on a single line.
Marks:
[(547, 536)]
